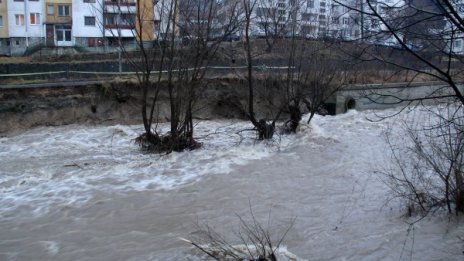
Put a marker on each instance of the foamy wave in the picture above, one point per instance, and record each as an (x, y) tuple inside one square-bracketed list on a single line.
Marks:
[(66, 165)]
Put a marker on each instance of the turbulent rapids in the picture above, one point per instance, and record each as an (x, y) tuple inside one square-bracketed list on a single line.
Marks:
[(87, 193)]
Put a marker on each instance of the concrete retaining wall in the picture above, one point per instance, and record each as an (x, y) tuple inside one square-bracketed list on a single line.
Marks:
[(367, 97)]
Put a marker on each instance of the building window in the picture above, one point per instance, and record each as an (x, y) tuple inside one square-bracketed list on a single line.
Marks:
[(127, 19), (19, 20), (1, 20), (310, 3), (306, 16), (123, 21), (458, 44), (110, 19), (460, 7), (89, 20), (262, 12), (50, 10), (63, 10), (89, 1), (34, 18), (346, 21), (63, 33)]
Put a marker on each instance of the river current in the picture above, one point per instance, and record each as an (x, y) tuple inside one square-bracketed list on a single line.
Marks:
[(88, 193)]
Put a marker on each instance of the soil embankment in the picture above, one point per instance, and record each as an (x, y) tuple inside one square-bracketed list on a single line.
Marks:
[(110, 103)]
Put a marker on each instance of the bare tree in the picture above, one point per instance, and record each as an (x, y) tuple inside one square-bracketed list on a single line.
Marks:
[(425, 36), (202, 32), (167, 65), (264, 129), (429, 171), (312, 79), (275, 20), (254, 241), (315, 72)]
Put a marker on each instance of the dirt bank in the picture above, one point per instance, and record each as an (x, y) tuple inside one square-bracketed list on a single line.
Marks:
[(115, 102)]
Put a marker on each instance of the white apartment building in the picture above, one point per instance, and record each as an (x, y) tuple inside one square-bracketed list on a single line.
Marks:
[(373, 29), (104, 23), (306, 18), (345, 23), (273, 17), (315, 18), (456, 41), (87, 23), (162, 18), (101, 25), (96, 25), (25, 24)]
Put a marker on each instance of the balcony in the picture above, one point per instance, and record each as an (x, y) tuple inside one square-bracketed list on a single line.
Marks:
[(120, 3), (119, 21), (120, 26), (115, 7)]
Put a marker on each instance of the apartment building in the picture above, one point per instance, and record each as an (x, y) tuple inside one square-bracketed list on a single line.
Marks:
[(25, 24), (306, 18), (315, 16), (95, 25), (344, 22), (4, 36), (456, 40), (103, 25), (273, 17), (58, 23), (87, 23)]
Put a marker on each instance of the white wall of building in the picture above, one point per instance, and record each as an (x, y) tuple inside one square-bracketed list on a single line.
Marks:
[(458, 43), (25, 8), (162, 13), (80, 10)]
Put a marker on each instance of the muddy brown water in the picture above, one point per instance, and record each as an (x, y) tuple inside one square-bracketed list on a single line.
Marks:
[(326, 183)]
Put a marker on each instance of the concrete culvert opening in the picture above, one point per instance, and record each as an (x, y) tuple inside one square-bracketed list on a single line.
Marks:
[(350, 104)]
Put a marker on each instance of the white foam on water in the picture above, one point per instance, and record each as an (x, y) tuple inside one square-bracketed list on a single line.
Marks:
[(331, 187), (66, 165), (51, 247)]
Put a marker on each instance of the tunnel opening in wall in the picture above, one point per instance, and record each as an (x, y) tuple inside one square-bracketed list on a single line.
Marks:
[(350, 104)]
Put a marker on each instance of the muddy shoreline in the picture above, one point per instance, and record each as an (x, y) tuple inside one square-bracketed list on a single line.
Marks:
[(112, 103)]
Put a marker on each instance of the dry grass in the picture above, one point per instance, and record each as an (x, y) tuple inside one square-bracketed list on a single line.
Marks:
[(387, 76), (15, 60)]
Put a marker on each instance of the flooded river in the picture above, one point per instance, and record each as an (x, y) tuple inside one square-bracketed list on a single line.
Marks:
[(88, 193)]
